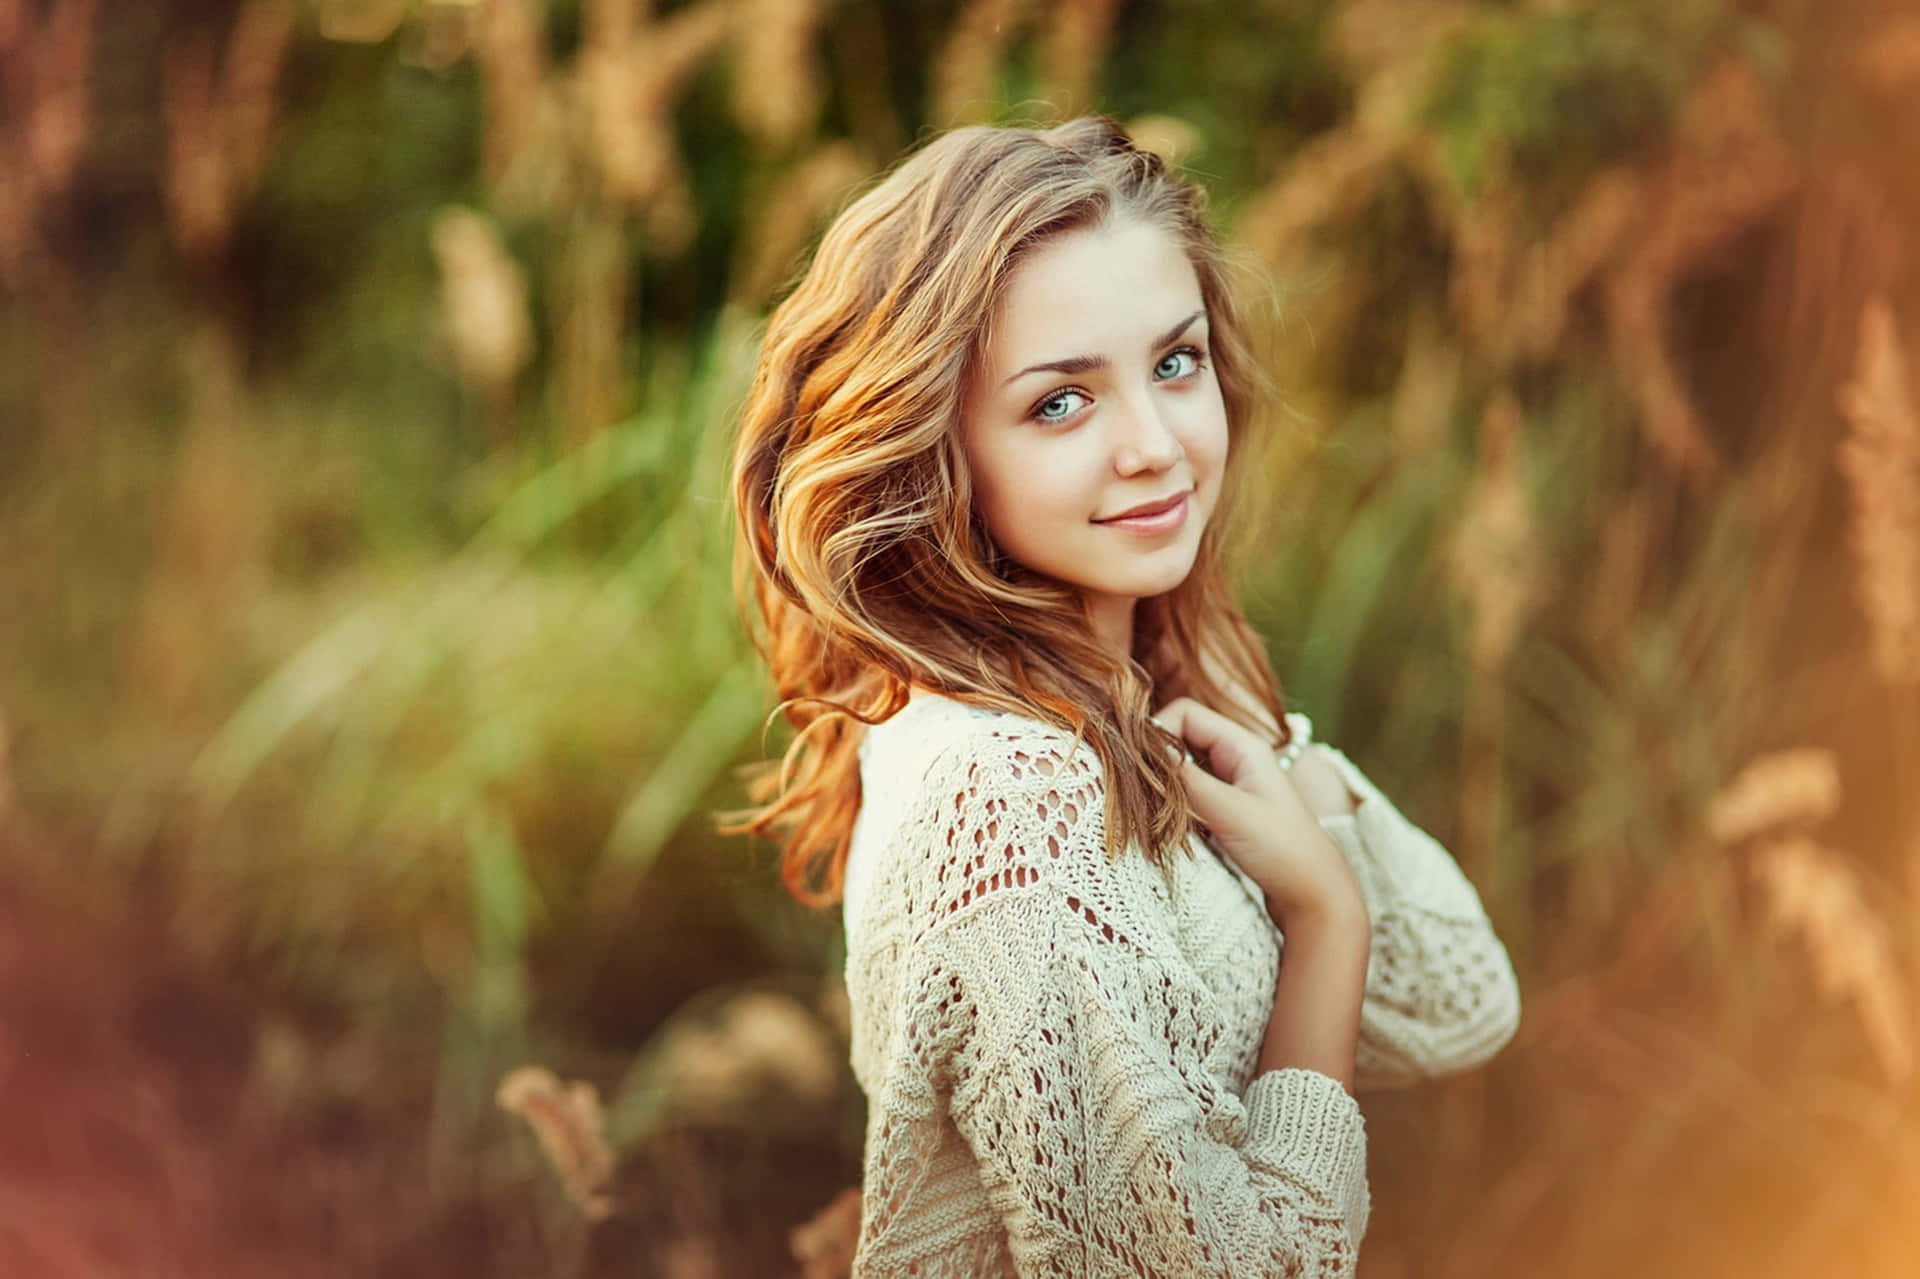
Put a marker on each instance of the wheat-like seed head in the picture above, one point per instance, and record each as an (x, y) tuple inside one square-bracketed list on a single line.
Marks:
[(1495, 559), (1812, 890), (1077, 39), (759, 1038), (570, 1125), (483, 301), (777, 89), (1880, 458), (967, 68), (1776, 790)]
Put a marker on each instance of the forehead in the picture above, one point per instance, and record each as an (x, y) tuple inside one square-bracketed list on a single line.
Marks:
[(1102, 289)]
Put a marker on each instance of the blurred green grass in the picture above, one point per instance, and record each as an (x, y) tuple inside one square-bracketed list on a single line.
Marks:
[(339, 639)]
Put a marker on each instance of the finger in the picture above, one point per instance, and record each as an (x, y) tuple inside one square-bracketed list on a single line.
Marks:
[(1228, 746), (1205, 790)]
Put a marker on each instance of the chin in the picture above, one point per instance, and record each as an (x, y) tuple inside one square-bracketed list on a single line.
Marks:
[(1145, 585)]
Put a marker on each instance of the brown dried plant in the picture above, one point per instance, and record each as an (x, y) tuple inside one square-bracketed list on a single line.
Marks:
[(219, 110), (1495, 560), (1079, 33), (1556, 269), (591, 147), (1880, 458), (759, 1039), (1779, 789), (966, 70), (571, 1127), (510, 48), (1429, 382), (1390, 50), (1812, 890), (483, 309), (362, 21), (45, 116), (1333, 176), (777, 89), (1727, 167), (630, 74), (798, 203)]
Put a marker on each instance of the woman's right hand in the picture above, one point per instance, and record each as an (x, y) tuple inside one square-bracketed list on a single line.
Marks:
[(1258, 819)]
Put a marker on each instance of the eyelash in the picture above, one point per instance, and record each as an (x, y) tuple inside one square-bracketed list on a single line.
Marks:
[(1034, 414)]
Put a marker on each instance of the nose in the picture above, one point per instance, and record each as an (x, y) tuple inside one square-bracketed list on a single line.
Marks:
[(1144, 441)]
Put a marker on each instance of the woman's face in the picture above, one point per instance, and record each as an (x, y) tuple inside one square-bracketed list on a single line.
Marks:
[(1096, 398)]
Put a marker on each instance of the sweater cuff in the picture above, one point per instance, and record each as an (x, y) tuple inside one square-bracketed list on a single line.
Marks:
[(1306, 1127)]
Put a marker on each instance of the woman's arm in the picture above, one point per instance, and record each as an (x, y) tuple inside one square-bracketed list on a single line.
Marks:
[(1441, 992)]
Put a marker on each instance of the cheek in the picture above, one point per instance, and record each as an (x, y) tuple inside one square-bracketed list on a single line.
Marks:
[(1206, 436), (1026, 490)]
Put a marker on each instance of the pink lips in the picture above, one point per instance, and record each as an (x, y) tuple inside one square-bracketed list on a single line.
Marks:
[(1154, 517)]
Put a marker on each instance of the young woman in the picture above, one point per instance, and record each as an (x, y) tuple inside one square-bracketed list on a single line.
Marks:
[(1040, 757)]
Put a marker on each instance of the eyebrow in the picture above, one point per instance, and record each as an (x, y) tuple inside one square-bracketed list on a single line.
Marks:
[(1088, 363)]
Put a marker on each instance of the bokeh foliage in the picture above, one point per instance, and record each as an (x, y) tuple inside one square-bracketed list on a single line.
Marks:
[(366, 372)]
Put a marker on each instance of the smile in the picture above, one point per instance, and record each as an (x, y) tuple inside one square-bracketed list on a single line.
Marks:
[(1158, 517)]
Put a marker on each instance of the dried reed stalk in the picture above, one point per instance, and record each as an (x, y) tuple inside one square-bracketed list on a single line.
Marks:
[(794, 209), (1779, 789), (1726, 168), (45, 118), (1078, 36), (483, 311), (362, 21), (1811, 889), (1333, 176), (1495, 562), (1429, 382), (965, 73), (571, 1127), (219, 111), (1495, 559), (1880, 458), (777, 88), (510, 48), (760, 1038), (630, 75)]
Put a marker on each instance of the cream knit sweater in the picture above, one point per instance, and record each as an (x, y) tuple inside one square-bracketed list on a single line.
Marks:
[(1058, 1049)]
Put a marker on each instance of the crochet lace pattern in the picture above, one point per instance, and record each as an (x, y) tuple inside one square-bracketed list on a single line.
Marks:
[(1058, 1048)]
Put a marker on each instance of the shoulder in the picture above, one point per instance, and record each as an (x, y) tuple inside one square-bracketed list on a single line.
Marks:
[(958, 759), (1006, 818)]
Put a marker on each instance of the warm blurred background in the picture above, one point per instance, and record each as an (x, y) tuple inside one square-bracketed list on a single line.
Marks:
[(369, 671)]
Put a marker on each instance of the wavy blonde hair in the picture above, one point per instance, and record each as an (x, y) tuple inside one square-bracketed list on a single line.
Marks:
[(858, 542)]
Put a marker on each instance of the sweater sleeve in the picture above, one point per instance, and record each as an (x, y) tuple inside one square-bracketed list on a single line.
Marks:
[(1441, 992), (1083, 1067)]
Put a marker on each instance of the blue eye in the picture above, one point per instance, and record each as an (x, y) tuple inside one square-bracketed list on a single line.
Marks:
[(1185, 363), (1050, 410)]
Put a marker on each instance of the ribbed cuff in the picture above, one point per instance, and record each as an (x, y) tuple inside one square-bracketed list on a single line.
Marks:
[(1304, 1126)]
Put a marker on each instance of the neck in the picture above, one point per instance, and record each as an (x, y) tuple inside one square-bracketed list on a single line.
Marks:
[(1112, 618)]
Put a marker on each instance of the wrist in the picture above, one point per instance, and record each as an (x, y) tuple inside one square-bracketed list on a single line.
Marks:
[(1337, 915)]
